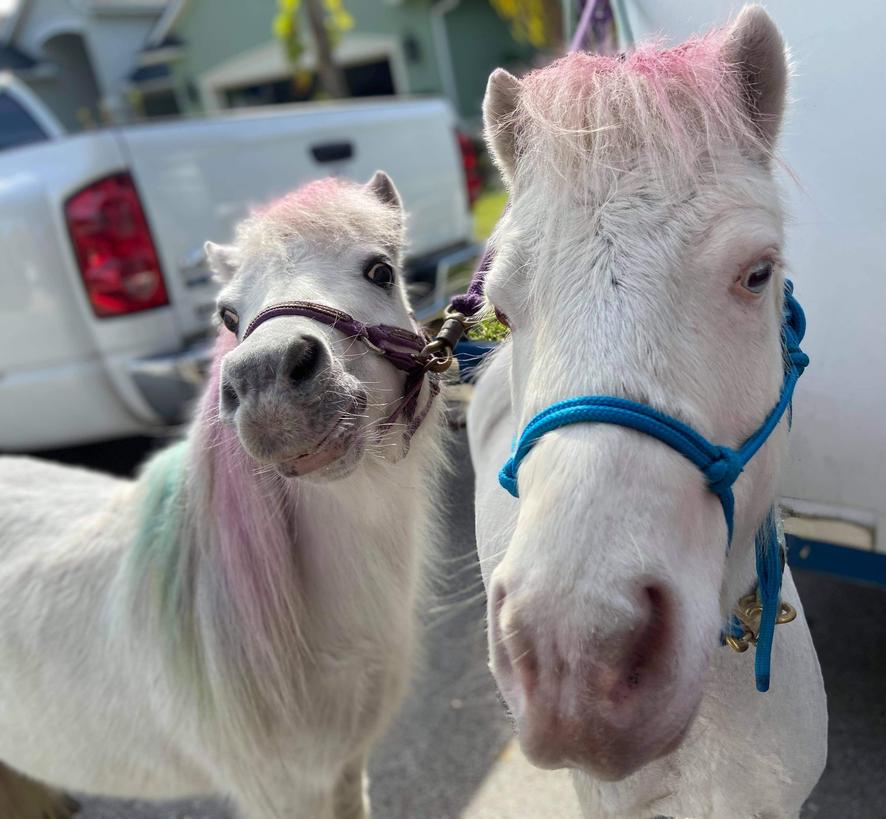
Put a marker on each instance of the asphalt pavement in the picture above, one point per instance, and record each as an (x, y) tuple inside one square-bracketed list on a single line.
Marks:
[(449, 754)]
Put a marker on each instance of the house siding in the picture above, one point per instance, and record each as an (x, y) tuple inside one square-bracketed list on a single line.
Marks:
[(111, 43), (216, 31), (480, 41)]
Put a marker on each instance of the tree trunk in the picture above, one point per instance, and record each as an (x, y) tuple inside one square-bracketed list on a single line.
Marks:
[(331, 77)]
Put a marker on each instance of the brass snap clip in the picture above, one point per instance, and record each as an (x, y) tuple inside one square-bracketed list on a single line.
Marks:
[(749, 612), (438, 351), (438, 355)]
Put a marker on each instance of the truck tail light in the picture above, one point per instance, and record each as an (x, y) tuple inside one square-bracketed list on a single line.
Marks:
[(114, 248), (471, 166)]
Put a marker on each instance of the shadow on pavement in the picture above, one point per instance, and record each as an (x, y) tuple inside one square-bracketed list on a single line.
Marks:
[(453, 727), (122, 457)]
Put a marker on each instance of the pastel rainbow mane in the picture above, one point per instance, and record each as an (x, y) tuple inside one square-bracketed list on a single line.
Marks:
[(216, 552)]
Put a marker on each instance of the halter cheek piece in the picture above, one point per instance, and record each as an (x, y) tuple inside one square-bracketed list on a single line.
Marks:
[(404, 349)]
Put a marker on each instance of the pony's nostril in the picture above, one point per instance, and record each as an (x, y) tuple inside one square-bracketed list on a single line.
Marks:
[(645, 658), (656, 598), (514, 652), (302, 360), (229, 398)]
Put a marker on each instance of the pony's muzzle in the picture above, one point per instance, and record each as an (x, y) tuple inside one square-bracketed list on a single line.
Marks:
[(288, 367), (590, 700), (288, 397)]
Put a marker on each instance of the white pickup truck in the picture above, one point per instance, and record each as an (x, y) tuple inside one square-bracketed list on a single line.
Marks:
[(105, 299)]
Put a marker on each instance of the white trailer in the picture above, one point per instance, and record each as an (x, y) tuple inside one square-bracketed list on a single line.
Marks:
[(833, 145)]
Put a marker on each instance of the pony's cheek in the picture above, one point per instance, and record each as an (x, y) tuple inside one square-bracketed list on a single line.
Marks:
[(374, 385)]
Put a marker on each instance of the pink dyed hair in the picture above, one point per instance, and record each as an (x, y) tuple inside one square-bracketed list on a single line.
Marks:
[(329, 211), (674, 109), (249, 540)]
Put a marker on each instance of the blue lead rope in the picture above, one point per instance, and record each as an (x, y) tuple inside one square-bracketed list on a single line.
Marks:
[(720, 465), (770, 567), (769, 556)]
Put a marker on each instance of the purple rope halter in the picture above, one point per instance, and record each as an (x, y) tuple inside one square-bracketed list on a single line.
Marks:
[(404, 349)]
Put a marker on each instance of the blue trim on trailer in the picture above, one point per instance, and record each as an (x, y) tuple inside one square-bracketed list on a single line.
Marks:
[(840, 561)]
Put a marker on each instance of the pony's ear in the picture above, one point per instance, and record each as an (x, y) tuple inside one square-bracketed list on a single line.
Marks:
[(755, 50), (223, 260), (382, 187), (499, 121)]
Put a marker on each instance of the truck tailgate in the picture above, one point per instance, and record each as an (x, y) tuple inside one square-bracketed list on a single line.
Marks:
[(198, 178)]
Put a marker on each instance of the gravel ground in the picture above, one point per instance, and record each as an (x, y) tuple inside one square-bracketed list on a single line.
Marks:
[(443, 757)]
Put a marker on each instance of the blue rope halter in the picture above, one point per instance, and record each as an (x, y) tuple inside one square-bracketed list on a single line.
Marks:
[(720, 465)]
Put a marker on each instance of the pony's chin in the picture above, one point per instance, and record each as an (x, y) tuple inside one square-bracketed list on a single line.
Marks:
[(336, 458)]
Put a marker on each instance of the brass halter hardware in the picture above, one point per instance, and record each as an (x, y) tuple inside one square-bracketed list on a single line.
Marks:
[(748, 611), (439, 350)]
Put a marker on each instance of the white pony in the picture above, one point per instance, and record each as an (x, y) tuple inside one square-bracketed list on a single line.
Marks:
[(641, 257), (241, 619)]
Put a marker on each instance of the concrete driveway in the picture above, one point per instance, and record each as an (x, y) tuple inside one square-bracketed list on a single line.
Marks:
[(449, 755)]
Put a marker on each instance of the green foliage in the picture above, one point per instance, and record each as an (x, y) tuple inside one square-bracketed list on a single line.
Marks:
[(487, 211), (490, 329), (289, 29), (538, 22)]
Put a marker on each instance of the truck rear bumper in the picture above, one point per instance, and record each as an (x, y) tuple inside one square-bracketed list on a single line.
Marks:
[(94, 400), (62, 406), (170, 383)]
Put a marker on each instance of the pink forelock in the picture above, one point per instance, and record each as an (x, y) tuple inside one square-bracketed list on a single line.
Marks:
[(675, 105), (697, 63), (320, 192)]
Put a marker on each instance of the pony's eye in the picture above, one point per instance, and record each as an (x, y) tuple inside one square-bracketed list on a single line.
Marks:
[(229, 318), (380, 273), (756, 279)]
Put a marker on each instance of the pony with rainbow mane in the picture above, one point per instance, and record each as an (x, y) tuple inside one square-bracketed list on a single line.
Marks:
[(239, 620)]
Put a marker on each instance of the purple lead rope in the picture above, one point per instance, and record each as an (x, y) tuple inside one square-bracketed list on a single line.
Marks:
[(469, 304), (584, 25)]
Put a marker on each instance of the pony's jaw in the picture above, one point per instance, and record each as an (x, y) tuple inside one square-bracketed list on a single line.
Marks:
[(336, 455)]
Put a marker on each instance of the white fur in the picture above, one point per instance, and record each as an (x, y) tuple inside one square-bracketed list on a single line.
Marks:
[(624, 279), (91, 697)]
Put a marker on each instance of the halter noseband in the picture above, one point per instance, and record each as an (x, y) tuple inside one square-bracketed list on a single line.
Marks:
[(404, 349), (720, 465)]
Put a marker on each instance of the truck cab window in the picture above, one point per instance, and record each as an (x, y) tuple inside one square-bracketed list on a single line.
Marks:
[(17, 126)]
